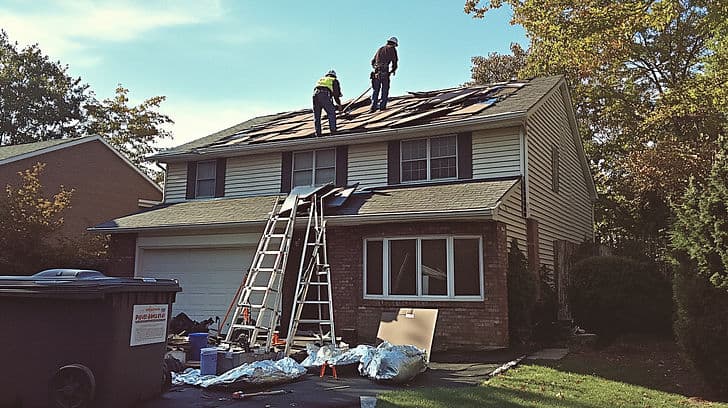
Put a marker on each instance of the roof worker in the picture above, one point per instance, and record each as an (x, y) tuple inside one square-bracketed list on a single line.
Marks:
[(386, 55), (327, 87)]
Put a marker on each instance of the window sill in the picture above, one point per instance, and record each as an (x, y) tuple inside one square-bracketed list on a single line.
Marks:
[(425, 299)]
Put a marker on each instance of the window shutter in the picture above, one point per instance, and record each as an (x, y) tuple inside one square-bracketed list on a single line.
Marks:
[(465, 155), (286, 171), (191, 179), (393, 162), (342, 165), (221, 165)]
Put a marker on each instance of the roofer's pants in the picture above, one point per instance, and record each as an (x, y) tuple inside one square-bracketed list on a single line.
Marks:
[(380, 82), (322, 100)]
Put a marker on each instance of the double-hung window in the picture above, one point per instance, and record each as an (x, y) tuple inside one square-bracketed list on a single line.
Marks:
[(313, 168), (205, 179), (429, 159), (425, 268)]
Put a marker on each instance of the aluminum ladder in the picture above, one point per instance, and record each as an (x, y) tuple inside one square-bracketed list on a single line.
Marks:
[(312, 304), (258, 307)]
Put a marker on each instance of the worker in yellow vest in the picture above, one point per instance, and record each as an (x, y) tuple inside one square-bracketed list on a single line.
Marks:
[(327, 87)]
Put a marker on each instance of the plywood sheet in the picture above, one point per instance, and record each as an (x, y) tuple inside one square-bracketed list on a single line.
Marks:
[(409, 327)]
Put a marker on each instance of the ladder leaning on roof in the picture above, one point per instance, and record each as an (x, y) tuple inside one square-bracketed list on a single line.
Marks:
[(258, 307)]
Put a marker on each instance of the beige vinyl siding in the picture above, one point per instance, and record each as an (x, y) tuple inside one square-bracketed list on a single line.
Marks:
[(253, 175), (510, 213), (175, 185), (566, 214), (496, 153), (368, 164)]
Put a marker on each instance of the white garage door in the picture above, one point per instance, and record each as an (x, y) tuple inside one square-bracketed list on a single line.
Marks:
[(209, 277)]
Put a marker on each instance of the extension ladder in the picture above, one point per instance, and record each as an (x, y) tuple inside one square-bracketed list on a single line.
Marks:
[(313, 288), (258, 307)]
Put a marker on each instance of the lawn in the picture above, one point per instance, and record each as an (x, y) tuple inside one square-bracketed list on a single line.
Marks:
[(633, 373)]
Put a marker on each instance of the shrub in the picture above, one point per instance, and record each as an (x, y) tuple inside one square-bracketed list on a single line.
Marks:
[(522, 292), (701, 324), (612, 295), (545, 310)]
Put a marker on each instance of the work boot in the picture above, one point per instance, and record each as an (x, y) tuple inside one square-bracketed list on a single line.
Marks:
[(373, 109)]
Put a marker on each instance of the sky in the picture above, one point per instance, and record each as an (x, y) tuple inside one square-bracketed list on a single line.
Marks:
[(221, 62)]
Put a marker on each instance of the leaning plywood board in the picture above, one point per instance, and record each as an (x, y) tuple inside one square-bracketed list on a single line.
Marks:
[(409, 326)]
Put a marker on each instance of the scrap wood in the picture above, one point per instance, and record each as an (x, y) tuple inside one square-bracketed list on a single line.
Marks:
[(505, 367), (243, 395)]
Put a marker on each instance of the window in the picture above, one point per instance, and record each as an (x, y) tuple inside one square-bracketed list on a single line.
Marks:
[(314, 167), (429, 159), (428, 268), (205, 180), (555, 168)]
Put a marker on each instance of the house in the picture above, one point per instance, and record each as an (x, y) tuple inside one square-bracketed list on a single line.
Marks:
[(105, 183), (446, 179)]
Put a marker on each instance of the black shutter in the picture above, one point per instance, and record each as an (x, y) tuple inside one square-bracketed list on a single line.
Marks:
[(191, 179), (465, 156), (286, 171), (393, 162), (342, 165), (220, 177)]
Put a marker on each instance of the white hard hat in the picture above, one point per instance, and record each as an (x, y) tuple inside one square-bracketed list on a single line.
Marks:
[(393, 40), (331, 73)]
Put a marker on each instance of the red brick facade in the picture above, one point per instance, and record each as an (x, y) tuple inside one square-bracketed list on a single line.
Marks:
[(461, 324)]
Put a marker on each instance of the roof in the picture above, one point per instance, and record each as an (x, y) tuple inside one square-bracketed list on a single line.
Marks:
[(7, 152), (392, 203), (422, 109)]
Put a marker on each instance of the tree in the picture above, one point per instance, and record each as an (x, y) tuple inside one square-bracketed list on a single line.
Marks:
[(646, 77), (38, 99), (133, 130), (498, 67)]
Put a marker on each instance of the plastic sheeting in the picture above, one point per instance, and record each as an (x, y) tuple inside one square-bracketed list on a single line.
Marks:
[(259, 373), (317, 356), (391, 363)]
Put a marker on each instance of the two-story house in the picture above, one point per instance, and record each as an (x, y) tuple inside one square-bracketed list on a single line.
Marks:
[(446, 179)]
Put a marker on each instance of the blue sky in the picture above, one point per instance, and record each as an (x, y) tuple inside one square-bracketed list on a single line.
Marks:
[(221, 62)]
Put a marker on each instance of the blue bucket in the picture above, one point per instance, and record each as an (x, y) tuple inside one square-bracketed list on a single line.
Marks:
[(198, 341)]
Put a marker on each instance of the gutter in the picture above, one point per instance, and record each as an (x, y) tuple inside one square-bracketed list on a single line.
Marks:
[(505, 119)]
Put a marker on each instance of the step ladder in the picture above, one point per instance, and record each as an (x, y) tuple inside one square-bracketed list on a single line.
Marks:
[(258, 306), (312, 306)]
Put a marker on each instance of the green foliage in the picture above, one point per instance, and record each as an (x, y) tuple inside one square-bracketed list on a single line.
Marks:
[(701, 226), (522, 294), (30, 222), (38, 99), (701, 326), (498, 67), (614, 295), (546, 308)]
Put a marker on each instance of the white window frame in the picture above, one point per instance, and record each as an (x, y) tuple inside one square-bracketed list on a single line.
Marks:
[(313, 169), (428, 159), (198, 179), (450, 269)]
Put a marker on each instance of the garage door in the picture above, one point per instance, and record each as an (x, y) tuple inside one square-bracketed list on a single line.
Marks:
[(209, 277)]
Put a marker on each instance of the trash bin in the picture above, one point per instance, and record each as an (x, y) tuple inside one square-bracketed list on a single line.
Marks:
[(82, 340)]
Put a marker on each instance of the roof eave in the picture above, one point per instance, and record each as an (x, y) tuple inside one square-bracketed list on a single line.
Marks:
[(506, 119)]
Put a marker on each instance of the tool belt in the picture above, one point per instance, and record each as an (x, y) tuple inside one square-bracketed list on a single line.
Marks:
[(320, 89), (379, 72)]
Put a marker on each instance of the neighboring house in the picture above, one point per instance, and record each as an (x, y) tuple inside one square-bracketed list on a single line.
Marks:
[(446, 180), (105, 184)]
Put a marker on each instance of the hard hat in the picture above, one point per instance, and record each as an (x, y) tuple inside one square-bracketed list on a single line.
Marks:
[(331, 73), (393, 40)]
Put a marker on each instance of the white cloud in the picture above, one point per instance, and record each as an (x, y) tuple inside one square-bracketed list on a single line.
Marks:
[(196, 119), (67, 28)]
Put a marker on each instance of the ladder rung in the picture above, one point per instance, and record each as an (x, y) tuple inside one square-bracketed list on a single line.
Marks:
[(276, 235), (248, 327), (313, 302), (270, 252), (260, 288), (313, 284), (260, 307), (308, 321), (265, 269)]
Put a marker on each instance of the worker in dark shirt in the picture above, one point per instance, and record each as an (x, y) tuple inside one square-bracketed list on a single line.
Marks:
[(327, 87), (386, 55)]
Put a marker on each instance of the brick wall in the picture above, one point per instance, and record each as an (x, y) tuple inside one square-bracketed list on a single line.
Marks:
[(122, 250), (472, 325)]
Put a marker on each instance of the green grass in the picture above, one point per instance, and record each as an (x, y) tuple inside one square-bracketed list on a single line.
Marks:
[(538, 386)]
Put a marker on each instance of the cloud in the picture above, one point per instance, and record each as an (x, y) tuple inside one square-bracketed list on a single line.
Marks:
[(68, 28), (196, 119)]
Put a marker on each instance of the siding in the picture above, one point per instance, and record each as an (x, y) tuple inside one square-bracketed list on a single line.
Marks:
[(253, 175), (566, 215), (496, 153), (368, 164), (510, 213), (175, 185)]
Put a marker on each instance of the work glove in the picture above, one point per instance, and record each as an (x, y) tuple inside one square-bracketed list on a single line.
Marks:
[(393, 72), (372, 75)]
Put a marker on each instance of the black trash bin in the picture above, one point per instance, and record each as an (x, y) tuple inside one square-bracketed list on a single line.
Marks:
[(71, 338)]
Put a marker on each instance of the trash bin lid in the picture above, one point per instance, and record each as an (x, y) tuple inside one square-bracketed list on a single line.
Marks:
[(80, 283)]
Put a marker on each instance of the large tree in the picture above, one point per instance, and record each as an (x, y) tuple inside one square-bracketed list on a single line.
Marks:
[(647, 106)]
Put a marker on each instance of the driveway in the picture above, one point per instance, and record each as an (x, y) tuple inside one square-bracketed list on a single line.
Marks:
[(446, 370)]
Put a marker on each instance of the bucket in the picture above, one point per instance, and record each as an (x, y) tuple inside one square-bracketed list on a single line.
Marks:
[(208, 361), (197, 342)]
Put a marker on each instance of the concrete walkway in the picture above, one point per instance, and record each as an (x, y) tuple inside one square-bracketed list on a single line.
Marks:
[(549, 354)]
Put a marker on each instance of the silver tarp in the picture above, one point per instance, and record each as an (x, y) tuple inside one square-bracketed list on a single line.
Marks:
[(317, 356), (393, 363), (259, 373)]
